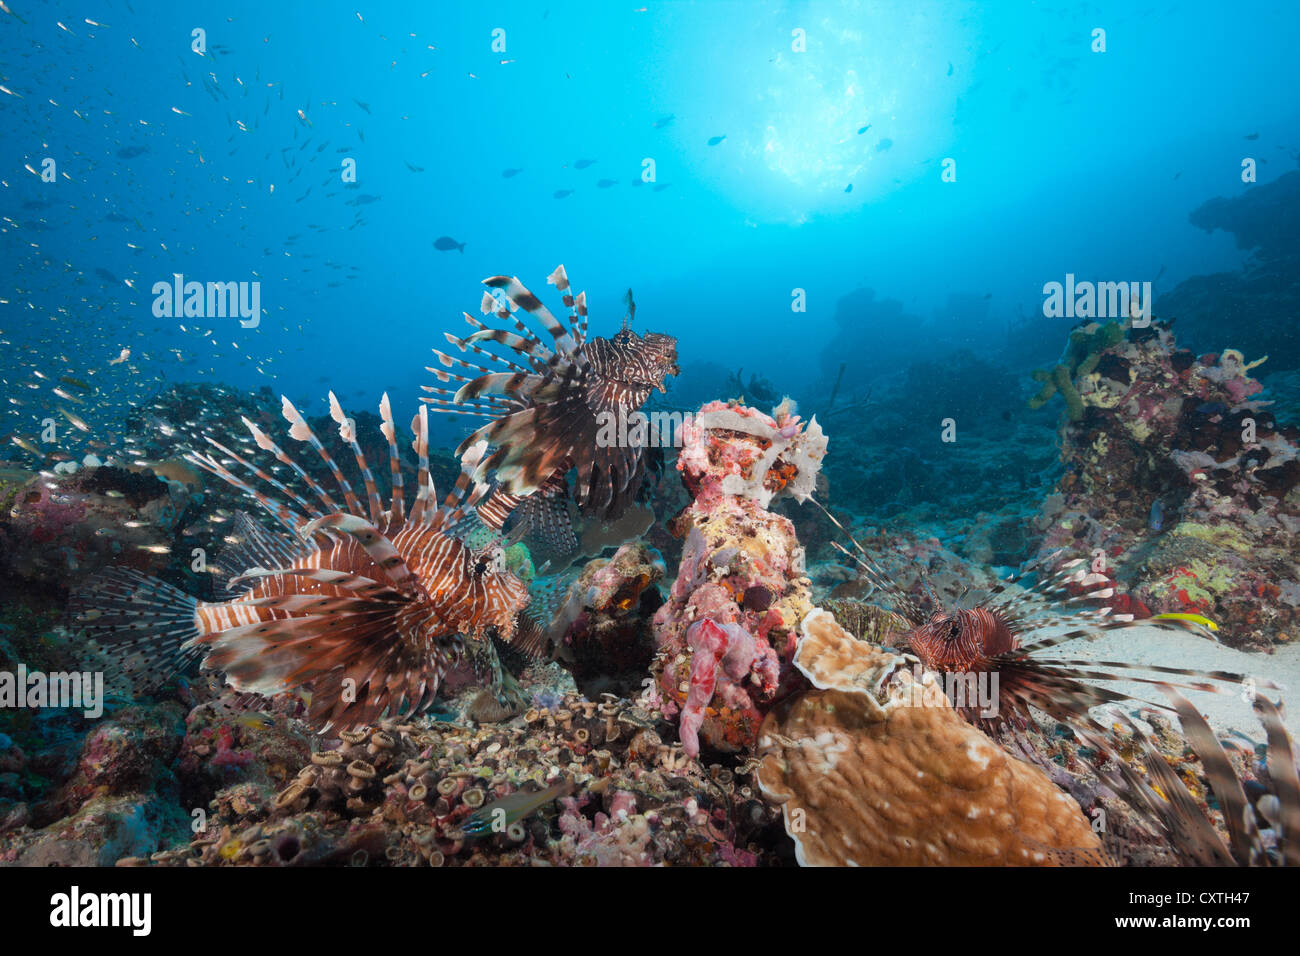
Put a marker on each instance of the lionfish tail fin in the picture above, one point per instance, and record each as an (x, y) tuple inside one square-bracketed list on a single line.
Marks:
[(147, 626)]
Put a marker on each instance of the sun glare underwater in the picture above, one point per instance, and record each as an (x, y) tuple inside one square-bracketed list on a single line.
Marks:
[(650, 433)]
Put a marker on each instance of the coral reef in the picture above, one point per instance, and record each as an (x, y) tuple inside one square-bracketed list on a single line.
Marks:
[(604, 621), (1082, 354), (59, 528), (582, 784), (1185, 486)]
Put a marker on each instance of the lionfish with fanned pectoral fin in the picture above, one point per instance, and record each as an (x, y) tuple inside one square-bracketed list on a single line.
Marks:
[(997, 636), (548, 402), (366, 607)]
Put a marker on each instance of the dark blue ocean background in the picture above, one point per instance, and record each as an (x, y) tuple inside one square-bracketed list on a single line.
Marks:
[(1067, 161)]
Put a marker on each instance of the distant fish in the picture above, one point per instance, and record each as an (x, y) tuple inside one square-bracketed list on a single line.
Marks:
[(848, 188), (883, 145), (950, 69), (106, 275), (414, 169), (863, 129), (660, 187), (663, 121), (131, 152), (583, 163), (561, 193), (116, 217), (715, 140), (447, 243), (509, 173), (606, 183), (1253, 136), (364, 106)]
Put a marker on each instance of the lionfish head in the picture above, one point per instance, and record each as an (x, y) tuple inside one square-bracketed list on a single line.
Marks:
[(639, 362), (474, 592), (962, 640)]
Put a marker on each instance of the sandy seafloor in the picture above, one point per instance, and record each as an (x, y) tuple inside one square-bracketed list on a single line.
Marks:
[(1229, 713)]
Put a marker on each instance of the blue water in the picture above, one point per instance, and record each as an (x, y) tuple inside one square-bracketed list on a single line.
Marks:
[(1067, 160)]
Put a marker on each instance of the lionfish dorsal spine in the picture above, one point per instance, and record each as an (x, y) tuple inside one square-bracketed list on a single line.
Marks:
[(423, 489), (301, 431), (265, 442), (520, 296), (397, 506), (348, 433), (277, 509)]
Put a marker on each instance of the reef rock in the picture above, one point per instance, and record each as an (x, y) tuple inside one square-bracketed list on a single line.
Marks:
[(1184, 488), (729, 628), (62, 528)]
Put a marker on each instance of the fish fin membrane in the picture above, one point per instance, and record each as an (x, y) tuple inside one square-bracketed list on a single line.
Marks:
[(254, 547), (145, 625)]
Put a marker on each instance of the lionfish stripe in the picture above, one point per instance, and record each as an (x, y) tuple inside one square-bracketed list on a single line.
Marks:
[(374, 543), (420, 426), (364, 586)]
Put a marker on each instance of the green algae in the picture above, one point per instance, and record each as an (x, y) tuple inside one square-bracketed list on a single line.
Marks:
[(1082, 353), (1221, 535)]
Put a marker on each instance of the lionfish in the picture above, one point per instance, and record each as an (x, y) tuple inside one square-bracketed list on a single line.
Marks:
[(996, 637), (365, 606), (549, 402)]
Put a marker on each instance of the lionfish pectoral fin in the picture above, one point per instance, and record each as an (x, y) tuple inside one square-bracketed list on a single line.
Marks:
[(253, 547)]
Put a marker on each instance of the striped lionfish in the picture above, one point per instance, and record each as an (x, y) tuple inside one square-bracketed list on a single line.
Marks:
[(996, 637), (365, 605), (547, 407)]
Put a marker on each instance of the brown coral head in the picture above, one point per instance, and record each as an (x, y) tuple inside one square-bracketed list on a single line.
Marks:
[(962, 640)]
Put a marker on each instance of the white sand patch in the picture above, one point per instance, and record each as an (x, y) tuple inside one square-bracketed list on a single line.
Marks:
[(1227, 713)]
